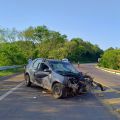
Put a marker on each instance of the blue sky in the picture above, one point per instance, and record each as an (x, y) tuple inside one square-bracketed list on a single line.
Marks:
[(97, 21)]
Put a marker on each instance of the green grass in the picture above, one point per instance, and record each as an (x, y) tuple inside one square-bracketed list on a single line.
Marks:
[(10, 71)]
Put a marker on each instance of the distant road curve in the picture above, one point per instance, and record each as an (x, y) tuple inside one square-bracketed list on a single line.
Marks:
[(106, 78)]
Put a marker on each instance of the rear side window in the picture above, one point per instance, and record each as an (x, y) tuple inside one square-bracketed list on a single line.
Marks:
[(35, 64)]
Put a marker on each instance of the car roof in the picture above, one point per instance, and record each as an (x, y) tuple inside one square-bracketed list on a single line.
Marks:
[(47, 60)]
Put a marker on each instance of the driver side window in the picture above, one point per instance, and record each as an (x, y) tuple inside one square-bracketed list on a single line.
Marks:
[(43, 67)]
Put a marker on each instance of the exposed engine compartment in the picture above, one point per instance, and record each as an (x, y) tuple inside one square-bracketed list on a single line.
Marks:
[(82, 83)]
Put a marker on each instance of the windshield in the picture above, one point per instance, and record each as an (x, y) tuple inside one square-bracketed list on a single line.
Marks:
[(59, 66)]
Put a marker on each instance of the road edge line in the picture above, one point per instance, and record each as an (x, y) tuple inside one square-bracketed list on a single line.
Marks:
[(116, 73)]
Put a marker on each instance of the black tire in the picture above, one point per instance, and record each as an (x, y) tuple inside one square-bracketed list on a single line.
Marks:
[(59, 91), (27, 80)]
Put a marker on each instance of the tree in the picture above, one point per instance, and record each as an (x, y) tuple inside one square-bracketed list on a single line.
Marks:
[(16, 47), (111, 59)]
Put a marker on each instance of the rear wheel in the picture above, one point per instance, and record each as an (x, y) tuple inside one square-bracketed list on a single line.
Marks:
[(27, 80), (58, 91)]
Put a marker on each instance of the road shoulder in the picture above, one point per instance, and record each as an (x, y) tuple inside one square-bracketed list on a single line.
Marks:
[(117, 72)]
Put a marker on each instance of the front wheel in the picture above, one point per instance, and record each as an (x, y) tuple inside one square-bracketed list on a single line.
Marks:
[(58, 91), (27, 80)]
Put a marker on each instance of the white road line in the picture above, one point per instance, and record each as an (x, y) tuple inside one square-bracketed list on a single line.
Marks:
[(9, 92), (115, 73)]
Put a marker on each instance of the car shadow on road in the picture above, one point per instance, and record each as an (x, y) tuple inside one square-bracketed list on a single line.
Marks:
[(82, 97)]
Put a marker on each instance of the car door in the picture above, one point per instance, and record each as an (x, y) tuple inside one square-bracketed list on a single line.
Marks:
[(43, 76), (34, 69)]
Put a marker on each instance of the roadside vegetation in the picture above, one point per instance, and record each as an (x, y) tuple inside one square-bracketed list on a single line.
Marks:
[(16, 47), (110, 59), (10, 71)]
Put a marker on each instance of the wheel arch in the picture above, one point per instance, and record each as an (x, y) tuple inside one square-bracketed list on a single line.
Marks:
[(54, 83), (28, 75)]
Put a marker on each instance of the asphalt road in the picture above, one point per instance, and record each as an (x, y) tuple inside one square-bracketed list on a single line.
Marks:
[(18, 102), (108, 79)]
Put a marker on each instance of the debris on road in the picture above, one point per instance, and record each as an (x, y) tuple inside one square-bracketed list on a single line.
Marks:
[(44, 92), (34, 97), (100, 94)]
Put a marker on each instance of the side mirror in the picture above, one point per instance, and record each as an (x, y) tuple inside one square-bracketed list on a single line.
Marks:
[(47, 70)]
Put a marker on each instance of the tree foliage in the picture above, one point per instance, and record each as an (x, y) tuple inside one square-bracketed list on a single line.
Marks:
[(111, 59), (17, 47)]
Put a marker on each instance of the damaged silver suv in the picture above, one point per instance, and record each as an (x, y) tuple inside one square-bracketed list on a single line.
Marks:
[(60, 77)]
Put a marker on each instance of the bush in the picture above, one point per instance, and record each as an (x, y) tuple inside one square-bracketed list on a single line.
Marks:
[(111, 59)]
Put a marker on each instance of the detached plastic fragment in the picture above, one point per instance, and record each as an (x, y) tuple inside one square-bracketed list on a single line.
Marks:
[(34, 97), (99, 85), (92, 83)]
